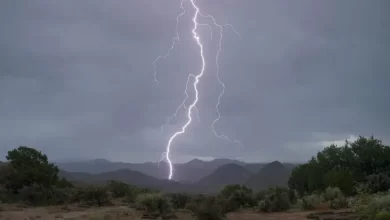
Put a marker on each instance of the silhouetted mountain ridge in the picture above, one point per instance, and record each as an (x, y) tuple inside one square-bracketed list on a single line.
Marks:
[(272, 174), (192, 171), (226, 175), (130, 177), (196, 175)]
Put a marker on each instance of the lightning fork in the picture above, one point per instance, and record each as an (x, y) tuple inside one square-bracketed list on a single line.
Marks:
[(221, 28), (195, 85), (174, 40), (182, 105), (192, 106), (163, 155)]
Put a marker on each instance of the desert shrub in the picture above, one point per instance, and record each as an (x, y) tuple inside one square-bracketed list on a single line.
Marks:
[(76, 195), (236, 197), (7, 196), (38, 195), (310, 202), (96, 195), (64, 183), (275, 200), (179, 200), (131, 195), (60, 196), (332, 193), (361, 188), (339, 203), (117, 189), (155, 203), (260, 195), (34, 195), (335, 197), (376, 208), (382, 215), (293, 195), (363, 197), (378, 182), (208, 208)]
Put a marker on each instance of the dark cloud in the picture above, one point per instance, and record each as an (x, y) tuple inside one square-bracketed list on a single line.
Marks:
[(76, 77)]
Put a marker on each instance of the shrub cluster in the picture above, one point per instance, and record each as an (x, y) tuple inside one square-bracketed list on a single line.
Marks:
[(377, 209), (275, 199), (208, 207), (156, 204)]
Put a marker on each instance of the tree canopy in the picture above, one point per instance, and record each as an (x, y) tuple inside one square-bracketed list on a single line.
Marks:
[(364, 161), (27, 167)]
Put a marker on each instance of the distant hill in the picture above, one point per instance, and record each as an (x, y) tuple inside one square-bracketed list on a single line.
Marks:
[(290, 166), (254, 167), (217, 174), (192, 171), (130, 177), (273, 174), (225, 175)]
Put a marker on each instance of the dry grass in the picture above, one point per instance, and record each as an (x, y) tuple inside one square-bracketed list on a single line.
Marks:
[(74, 212)]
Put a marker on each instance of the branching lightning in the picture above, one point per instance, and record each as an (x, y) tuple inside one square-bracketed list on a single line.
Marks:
[(220, 27), (195, 79), (174, 40)]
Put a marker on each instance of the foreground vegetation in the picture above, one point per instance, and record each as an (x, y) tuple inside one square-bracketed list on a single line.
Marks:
[(355, 176)]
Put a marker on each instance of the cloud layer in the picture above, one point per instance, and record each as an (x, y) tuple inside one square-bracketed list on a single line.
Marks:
[(76, 77)]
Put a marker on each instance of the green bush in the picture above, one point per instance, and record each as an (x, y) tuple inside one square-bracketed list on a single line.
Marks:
[(310, 202), (34, 195), (376, 208), (332, 193), (208, 208), (275, 200), (339, 203), (118, 189), (155, 203), (293, 196), (236, 197), (179, 200), (96, 195), (131, 195), (382, 215), (335, 197), (260, 195)]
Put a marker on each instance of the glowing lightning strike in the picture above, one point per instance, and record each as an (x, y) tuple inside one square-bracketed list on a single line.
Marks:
[(196, 80), (221, 136), (182, 105)]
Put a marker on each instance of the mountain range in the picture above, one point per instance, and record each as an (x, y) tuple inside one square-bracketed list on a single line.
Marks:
[(194, 176), (191, 171)]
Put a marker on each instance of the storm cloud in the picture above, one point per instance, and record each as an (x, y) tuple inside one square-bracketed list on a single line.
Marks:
[(76, 77)]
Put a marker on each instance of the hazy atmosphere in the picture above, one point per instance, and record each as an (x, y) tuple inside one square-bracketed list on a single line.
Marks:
[(77, 80)]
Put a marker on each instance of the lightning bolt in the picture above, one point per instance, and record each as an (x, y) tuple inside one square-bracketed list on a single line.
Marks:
[(182, 105), (220, 27), (196, 79)]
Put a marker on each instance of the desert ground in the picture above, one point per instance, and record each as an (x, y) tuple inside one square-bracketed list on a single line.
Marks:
[(74, 212)]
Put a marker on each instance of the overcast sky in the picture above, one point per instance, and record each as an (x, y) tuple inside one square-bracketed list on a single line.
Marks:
[(76, 77)]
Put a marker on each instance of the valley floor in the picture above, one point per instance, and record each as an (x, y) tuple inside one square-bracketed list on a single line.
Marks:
[(14, 212)]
